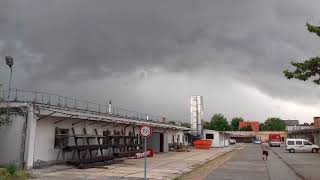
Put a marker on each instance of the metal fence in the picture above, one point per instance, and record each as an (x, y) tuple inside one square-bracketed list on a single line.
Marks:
[(51, 99)]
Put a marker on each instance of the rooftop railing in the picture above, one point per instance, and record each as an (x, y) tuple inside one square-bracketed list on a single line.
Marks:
[(51, 99)]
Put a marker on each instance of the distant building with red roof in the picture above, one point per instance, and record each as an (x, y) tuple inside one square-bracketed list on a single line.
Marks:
[(254, 125)]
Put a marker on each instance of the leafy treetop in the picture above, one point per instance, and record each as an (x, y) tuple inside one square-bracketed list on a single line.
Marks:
[(273, 124), (310, 67), (219, 123), (235, 123)]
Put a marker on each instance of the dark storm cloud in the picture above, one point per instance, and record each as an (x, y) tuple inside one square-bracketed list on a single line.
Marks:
[(76, 40)]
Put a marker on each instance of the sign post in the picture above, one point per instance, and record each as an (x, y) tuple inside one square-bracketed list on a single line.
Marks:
[(145, 131)]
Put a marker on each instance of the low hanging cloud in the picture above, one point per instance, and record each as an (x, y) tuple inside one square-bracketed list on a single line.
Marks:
[(249, 42)]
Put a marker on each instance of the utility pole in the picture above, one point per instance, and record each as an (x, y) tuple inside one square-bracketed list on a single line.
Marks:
[(9, 62)]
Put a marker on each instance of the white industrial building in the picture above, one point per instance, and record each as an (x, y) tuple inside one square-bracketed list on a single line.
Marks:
[(38, 121), (218, 138)]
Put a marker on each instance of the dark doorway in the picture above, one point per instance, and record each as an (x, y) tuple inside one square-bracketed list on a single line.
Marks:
[(161, 142)]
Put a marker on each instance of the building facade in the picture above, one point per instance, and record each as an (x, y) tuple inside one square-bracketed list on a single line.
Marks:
[(218, 138), (35, 131), (310, 134), (253, 124)]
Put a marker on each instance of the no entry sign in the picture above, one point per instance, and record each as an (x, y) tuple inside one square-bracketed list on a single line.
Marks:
[(145, 131)]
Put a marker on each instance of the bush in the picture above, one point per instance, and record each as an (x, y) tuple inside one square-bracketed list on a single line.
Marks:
[(4, 174), (12, 169)]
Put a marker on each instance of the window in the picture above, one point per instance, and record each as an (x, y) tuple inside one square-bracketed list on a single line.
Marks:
[(290, 142), (60, 141), (307, 143), (209, 136), (298, 142)]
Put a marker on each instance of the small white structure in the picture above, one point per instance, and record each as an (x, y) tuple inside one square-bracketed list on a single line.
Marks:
[(219, 139)]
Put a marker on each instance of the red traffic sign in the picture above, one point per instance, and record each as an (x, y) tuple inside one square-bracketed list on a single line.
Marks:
[(145, 131)]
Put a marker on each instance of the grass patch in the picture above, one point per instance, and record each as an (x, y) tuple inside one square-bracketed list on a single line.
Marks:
[(11, 172)]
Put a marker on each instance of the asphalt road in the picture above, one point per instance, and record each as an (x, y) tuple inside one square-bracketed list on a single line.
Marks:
[(306, 165), (247, 164)]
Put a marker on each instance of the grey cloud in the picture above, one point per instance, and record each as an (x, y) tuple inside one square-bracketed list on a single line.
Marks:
[(77, 41)]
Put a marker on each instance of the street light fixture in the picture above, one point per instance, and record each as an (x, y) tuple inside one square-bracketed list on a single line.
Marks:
[(9, 62)]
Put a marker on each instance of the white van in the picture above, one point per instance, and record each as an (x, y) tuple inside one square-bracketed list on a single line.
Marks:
[(300, 145)]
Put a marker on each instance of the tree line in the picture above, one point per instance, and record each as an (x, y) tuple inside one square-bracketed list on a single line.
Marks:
[(220, 123)]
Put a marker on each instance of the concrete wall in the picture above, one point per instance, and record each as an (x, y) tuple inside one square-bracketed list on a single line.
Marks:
[(45, 135), (11, 140)]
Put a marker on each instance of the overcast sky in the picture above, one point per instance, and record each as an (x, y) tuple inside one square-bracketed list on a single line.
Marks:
[(152, 55)]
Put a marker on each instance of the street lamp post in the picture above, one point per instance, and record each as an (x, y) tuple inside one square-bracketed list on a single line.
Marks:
[(9, 62)]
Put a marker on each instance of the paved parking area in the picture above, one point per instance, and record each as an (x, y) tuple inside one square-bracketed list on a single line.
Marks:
[(161, 166), (248, 165), (306, 165)]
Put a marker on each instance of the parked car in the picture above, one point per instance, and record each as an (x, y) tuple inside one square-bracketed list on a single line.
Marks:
[(233, 141), (274, 140), (300, 145), (257, 141)]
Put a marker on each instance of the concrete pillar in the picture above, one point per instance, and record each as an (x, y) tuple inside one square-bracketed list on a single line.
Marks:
[(30, 137)]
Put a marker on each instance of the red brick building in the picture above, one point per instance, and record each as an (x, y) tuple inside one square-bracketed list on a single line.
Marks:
[(316, 122), (254, 125)]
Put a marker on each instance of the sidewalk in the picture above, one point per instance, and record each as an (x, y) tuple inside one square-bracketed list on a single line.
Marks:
[(161, 166)]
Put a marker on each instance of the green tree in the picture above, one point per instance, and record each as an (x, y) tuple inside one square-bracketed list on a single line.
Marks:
[(206, 125), (310, 68), (246, 128), (219, 123), (235, 123), (263, 127), (275, 124)]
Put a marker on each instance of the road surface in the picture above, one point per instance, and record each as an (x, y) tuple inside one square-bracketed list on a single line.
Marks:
[(247, 164)]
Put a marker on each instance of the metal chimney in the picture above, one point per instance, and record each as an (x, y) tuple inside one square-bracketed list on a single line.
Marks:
[(196, 103), (110, 107)]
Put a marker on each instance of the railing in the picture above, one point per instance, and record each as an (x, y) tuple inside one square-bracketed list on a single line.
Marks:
[(51, 99)]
